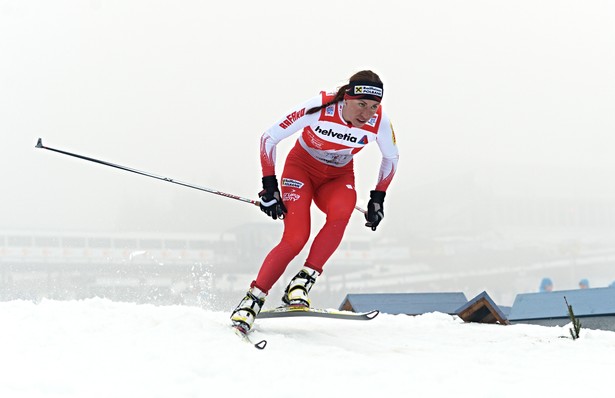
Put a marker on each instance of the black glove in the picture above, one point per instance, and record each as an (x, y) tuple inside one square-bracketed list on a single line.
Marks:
[(271, 202), (375, 209)]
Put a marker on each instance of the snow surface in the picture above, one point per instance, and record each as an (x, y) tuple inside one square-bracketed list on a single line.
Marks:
[(100, 348)]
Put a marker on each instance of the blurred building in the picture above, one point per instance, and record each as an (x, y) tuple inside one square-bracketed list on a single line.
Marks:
[(470, 232)]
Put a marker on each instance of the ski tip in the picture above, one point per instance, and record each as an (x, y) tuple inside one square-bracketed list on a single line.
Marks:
[(243, 334), (39, 143), (372, 314)]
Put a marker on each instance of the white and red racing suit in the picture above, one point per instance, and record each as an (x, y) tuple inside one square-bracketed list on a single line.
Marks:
[(319, 168)]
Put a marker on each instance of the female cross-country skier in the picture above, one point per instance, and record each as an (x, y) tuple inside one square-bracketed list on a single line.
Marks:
[(319, 168)]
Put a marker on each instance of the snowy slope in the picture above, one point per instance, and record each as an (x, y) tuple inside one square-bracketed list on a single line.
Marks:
[(99, 348)]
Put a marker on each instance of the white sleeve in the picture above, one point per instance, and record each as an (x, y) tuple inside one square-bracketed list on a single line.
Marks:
[(390, 153), (297, 119)]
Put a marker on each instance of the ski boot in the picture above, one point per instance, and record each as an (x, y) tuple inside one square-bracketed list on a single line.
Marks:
[(248, 309), (296, 293)]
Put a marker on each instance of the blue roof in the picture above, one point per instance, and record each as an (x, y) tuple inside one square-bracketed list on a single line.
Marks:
[(405, 303), (584, 302)]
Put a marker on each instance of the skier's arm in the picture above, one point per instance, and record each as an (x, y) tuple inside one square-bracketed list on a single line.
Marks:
[(292, 122), (390, 154)]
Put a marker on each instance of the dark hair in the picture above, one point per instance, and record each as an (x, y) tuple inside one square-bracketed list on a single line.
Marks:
[(364, 75)]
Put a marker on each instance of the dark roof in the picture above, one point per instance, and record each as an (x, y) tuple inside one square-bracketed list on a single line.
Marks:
[(404, 303), (482, 309)]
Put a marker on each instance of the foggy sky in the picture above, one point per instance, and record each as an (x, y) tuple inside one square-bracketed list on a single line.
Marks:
[(522, 92)]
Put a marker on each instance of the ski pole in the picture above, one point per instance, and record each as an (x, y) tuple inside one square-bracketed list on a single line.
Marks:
[(39, 144)]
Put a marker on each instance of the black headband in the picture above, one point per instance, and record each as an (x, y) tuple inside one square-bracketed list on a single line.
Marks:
[(362, 89)]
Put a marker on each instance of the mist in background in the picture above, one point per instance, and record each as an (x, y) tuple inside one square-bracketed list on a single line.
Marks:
[(503, 113)]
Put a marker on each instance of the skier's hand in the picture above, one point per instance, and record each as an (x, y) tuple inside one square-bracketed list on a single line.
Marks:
[(270, 199), (375, 209)]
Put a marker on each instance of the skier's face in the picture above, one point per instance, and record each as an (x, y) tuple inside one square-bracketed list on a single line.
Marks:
[(358, 111)]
